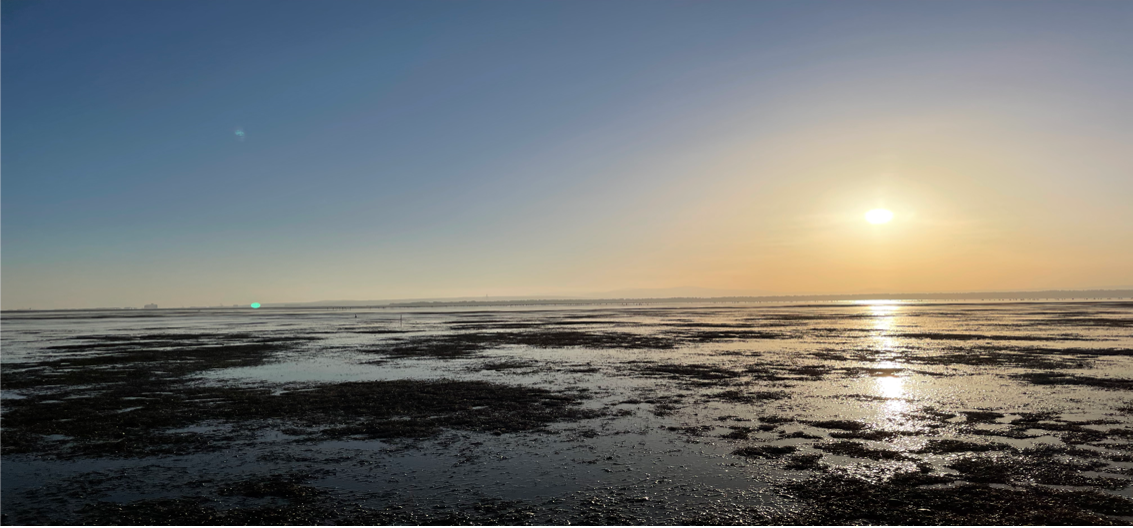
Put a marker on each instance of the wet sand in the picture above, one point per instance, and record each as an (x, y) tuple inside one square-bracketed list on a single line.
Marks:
[(827, 413)]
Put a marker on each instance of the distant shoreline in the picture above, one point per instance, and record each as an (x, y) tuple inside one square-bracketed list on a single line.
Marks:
[(1045, 295), (987, 296)]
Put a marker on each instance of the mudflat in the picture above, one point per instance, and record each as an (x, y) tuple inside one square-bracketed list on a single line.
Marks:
[(825, 413)]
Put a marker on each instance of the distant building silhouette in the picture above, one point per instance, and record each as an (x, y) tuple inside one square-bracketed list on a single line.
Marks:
[(151, 306)]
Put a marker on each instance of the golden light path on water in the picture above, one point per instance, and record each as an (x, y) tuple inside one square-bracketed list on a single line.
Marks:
[(890, 383)]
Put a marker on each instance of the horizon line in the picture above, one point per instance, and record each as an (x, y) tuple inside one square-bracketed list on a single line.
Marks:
[(1057, 294)]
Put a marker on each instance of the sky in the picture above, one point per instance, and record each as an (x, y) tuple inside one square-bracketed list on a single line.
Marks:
[(198, 153)]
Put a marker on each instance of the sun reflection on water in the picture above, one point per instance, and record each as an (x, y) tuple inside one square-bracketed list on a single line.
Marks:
[(890, 386), (889, 383), (895, 389), (883, 322)]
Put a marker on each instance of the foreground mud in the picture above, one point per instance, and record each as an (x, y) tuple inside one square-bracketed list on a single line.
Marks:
[(725, 414)]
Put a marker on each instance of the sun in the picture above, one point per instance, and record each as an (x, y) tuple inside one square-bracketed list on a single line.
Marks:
[(879, 216)]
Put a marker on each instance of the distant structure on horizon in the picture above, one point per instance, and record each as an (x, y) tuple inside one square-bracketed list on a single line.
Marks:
[(151, 306)]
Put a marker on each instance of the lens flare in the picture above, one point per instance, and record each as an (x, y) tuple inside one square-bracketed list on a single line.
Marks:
[(255, 305)]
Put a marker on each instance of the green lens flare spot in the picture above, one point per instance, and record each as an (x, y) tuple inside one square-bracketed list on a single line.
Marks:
[(255, 305)]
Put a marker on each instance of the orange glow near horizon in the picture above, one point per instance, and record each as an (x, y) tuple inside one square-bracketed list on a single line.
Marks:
[(742, 171)]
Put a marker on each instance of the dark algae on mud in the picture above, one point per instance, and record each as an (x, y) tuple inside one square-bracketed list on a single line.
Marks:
[(912, 414)]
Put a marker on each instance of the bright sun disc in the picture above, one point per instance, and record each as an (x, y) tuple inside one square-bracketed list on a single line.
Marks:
[(879, 216)]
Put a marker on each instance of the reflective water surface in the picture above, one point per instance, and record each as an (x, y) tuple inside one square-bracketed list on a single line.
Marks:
[(662, 414)]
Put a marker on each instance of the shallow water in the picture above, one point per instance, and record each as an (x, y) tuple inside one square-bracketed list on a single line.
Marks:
[(869, 391)]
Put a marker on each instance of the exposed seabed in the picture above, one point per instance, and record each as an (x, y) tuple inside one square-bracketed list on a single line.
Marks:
[(847, 413)]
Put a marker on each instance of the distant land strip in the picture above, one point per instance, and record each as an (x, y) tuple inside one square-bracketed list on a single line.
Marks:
[(1045, 295), (971, 296), (540, 301)]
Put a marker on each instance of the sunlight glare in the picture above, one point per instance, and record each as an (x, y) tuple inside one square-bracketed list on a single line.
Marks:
[(879, 216), (890, 386)]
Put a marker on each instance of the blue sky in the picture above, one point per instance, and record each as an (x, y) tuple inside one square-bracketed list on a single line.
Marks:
[(425, 149)]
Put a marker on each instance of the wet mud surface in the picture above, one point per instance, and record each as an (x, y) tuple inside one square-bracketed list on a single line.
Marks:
[(841, 413)]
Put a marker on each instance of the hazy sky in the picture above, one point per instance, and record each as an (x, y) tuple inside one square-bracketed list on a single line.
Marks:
[(205, 152)]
